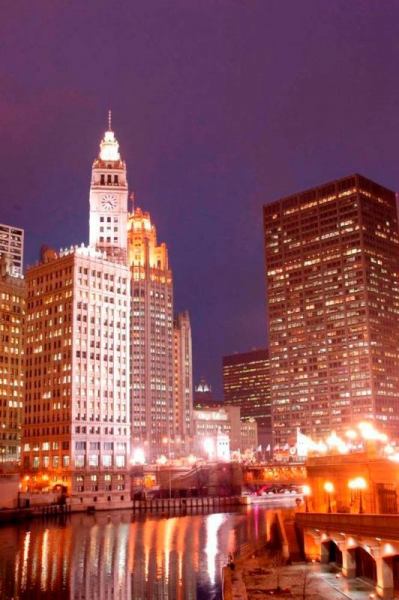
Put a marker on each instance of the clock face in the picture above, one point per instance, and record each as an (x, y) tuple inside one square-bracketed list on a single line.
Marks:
[(108, 201)]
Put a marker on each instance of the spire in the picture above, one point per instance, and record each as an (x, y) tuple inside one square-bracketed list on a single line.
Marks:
[(109, 146)]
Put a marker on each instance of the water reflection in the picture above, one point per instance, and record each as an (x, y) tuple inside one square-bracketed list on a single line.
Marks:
[(120, 557), (213, 524)]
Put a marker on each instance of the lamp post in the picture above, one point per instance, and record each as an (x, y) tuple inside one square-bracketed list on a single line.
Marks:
[(167, 440), (358, 484), (329, 489), (306, 493)]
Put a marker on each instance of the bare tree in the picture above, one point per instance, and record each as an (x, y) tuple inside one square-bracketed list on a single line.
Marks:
[(305, 582), (278, 561)]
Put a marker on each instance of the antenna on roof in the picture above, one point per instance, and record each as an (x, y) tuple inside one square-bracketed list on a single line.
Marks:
[(132, 199), (109, 120)]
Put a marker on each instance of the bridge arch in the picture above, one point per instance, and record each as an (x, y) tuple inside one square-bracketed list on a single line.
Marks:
[(365, 563), (331, 552), (392, 563)]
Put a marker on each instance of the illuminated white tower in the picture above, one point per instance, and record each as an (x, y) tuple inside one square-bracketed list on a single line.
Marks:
[(108, 199)]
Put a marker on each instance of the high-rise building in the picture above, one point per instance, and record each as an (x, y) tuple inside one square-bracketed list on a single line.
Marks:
[(77, 346), (12, 247), (182, 382), (77, 421), (332, 264), (152, 409), (12, 306), (246, 383), (108, 200)]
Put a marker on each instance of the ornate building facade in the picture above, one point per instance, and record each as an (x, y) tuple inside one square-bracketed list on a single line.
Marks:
[(77, 408), (100, 343), (153, 423), (108, 200)]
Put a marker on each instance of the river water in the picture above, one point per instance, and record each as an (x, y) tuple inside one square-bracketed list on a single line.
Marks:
[(122, 556)]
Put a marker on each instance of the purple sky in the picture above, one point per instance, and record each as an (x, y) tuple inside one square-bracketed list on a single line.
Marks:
[(219, 106)]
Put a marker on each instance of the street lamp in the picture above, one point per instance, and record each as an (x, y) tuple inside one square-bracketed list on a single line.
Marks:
[(209, 447), (138, 457), (329, 489), (306, 493), (167, 440), (359, 484)]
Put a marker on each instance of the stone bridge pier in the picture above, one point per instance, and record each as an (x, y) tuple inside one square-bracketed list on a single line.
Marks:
[(361, 545)]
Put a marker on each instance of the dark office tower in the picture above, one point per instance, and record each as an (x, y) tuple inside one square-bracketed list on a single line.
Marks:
[(332, 264), (246, 383)]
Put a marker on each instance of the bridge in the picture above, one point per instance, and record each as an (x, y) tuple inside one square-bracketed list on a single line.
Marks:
[(215, 475), (274, 473), (362, 545)]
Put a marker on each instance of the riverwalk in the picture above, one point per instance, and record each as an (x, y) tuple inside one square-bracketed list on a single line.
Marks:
[(257, 577)]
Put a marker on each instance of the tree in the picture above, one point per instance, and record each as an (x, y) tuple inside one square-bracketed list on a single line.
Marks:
[(307, 575)]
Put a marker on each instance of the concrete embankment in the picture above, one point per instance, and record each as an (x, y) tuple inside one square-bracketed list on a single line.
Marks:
[(16, 515), (181, 504), (280, 540), (169, 505)]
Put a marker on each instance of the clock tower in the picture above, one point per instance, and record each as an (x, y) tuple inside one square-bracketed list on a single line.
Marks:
[(108, 200)]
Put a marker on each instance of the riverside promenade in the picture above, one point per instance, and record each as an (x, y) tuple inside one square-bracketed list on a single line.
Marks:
[(256, 579), (276, 567)]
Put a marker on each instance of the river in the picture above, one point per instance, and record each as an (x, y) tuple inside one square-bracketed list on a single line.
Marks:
[(122, 556)]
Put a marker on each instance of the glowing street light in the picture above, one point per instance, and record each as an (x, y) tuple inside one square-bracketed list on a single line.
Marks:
[(138, 457), (369, 432), (209, 447), (351, 434), (306, 493), (329, 489), (358, 484)]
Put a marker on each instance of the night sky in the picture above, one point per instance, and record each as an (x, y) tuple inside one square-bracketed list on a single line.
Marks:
[(219, 107)]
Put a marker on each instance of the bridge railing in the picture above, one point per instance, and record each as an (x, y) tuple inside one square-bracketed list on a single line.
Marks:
[(386, 526)]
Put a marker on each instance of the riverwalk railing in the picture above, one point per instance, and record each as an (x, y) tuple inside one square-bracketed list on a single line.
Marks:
[(382, 526), (181, 504)]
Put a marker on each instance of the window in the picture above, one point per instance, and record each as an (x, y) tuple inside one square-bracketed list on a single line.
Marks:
[(79, 461), (107, 460), (93, 460), (120, 461)]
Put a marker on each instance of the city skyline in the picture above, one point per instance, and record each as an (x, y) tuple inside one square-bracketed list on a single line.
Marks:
[(218, 114), (199, 299)]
